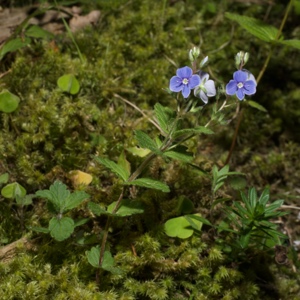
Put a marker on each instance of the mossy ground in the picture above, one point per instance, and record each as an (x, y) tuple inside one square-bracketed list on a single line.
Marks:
[(133, 52)]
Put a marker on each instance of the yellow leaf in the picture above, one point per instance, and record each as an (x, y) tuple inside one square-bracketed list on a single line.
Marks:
[(80, 178)]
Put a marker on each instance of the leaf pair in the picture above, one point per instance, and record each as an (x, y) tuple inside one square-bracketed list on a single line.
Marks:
[(60, 201), (123, 172)]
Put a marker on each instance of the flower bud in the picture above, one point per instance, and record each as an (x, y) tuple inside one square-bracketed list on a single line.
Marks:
[(241, 59), (194, 54), (204, 62)]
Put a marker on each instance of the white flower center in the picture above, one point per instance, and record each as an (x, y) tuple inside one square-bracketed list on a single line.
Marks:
[(240, 85), (185, 81)]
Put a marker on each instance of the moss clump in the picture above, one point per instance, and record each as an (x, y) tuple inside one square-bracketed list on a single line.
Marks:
[(132, 53)]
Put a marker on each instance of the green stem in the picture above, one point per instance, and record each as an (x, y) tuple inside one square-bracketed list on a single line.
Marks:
[(260, 75)]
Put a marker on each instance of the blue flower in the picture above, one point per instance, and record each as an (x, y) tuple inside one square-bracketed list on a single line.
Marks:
[(243, 83), (184, 82), (206, 88)]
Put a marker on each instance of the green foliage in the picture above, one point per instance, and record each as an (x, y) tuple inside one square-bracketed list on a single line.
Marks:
[(68, 83), (251, 221), (149, 183), (8, 102), (13, 190), (256, 27), (60, 201), (132, 52), (181, 227), (118, 169), (126, 208), (219, 177)]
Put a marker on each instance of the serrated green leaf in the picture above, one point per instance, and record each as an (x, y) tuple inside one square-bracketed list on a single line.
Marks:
[(117, 169), (145, 141), (93, 256), (4, 178), (57, 195), (256, 105), (150, 183), (97, 209), (179, 153), (35, 31), (108, 261), (12, 190), (61, 229), (75, 199), (196, 130), (163, 116), (291, 43), (127, 208), (14, 45), (8, 101), (68, 83), (254, 26)]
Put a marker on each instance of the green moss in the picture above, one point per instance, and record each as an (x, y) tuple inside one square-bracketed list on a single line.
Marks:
[(133, 51)]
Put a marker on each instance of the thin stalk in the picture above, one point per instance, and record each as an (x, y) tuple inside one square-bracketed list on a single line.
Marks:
[(260, 75)]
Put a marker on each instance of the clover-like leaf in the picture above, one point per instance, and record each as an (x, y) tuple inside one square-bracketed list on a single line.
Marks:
[(68, 83), (8, 101), (180, 227), (12, 190)]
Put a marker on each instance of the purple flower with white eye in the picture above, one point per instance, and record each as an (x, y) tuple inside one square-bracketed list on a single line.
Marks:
[(243, 83), (184, 82), (206, 88)]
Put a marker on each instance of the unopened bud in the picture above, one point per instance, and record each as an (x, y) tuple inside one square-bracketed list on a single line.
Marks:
[(204, 62), (194, 54), (241, 59)]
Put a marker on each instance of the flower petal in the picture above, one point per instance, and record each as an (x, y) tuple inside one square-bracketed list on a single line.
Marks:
[(240, 76), (231, 87), (210, 88), (194, 81), (240, 94), (186, 91), (250, 76), (203, 75), (249, 87), (185, 72), (176, 84), (203, 97)]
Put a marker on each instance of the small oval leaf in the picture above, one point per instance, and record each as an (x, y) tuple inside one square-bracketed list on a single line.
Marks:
[(68, 83), (8, 101), (12, 190)]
